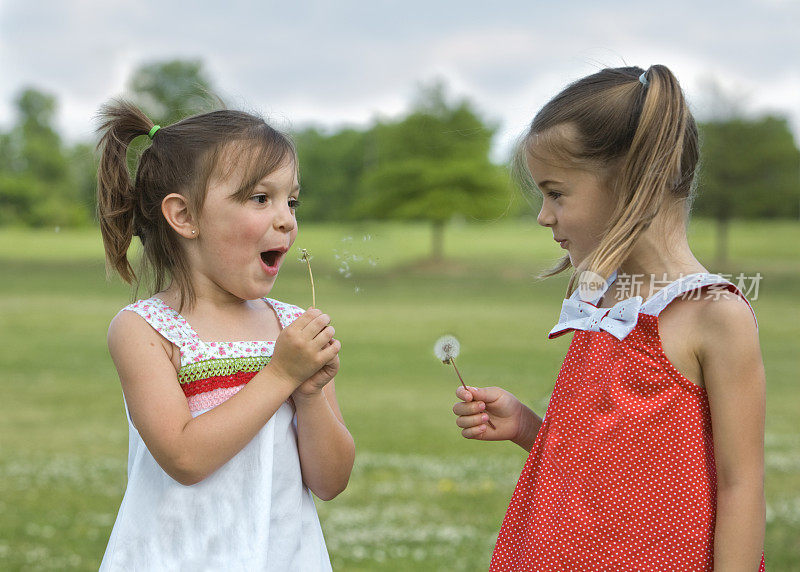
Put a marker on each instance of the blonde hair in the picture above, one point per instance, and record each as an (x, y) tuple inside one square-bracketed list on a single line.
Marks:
[(182, 159), (639, 134)]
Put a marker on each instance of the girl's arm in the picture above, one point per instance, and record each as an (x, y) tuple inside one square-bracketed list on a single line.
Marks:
[(189, 449), (733, 373), (513, 420), (326, 447)]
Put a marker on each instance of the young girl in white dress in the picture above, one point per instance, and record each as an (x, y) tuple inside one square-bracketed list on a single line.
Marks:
[(230, 398)]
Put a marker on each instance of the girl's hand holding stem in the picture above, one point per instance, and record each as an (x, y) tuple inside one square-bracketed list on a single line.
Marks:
[(306, 352), (512, 420)]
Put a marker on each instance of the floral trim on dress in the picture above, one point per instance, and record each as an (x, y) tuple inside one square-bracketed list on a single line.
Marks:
[(211, 372)]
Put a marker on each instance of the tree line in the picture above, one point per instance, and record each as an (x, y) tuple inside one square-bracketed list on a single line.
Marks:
[(431, 164)]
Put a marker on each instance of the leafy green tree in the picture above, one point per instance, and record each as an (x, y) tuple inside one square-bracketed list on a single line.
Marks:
[(83, 176), (35, 186), (750, 169), (433, 165), (331, 167), (38, 143), (169, 91)]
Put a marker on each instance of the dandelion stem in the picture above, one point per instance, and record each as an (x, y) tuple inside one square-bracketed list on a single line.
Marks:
[(453, 361), (307, 258)]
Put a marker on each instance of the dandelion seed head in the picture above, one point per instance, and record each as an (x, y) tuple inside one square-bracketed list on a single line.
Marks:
[(446, 348), (304, 255)]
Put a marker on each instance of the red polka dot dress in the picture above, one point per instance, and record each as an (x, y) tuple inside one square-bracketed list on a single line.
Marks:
[(622, 474)]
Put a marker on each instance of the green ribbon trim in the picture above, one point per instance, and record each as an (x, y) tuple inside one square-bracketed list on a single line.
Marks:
[(221, 366)]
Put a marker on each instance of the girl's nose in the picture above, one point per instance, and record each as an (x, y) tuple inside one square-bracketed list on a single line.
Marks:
[(284, 220), (545, 217)]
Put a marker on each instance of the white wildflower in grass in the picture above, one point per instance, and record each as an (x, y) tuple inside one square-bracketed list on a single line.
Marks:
[(307, 258), (446, 349)]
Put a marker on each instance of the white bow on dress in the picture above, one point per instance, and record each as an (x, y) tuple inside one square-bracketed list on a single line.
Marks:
[(619, 320)]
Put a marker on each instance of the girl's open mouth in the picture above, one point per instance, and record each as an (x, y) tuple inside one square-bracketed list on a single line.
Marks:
[(271, 260)]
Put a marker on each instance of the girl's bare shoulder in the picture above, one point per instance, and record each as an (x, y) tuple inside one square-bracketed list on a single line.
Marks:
[(698, 331), (130, 334)]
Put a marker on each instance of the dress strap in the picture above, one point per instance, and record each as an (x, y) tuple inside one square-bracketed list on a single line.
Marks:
[(165, 320), (287, 313), (694, 287)]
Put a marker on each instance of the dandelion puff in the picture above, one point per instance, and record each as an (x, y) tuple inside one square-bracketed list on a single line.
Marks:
[(446, 348)]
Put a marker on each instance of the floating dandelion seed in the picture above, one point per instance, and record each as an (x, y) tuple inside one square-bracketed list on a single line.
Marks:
[(353, 255), (446, 349), (307, 257)]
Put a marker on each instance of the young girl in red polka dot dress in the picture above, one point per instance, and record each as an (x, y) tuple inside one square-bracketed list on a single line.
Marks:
[(650, 454)]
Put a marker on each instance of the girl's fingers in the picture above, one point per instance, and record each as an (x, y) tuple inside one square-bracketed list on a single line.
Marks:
[(469, 407), (330, 351), (306, 318), (467, 421), (486, 394), (463, 394), (473, 432), (316, 325), (325, 336)]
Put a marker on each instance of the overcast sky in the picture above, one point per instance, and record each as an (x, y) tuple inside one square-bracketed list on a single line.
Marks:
[(341, 62)]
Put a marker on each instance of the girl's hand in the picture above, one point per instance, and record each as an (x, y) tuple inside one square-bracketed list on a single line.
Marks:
[(513, 421), (314, 384), (306, 350)]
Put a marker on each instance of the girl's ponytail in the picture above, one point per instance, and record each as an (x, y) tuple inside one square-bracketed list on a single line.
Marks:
[(660, 164), (117, 201)]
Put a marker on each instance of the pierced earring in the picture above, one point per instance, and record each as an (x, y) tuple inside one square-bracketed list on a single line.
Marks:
[(194, 232)]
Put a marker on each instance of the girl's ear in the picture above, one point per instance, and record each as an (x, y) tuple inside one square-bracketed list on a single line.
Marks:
[(175, 209)]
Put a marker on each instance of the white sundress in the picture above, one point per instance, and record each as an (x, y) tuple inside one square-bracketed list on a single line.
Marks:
[(254, 512)]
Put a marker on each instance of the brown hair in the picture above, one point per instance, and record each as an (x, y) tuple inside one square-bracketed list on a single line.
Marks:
[(639, 134), (182, 159)]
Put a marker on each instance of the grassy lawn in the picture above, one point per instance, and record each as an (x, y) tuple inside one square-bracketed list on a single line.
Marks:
[(421, 497)]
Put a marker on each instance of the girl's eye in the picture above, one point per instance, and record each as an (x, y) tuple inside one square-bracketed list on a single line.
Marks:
[(260, 199), (294, 203), (553, 195)]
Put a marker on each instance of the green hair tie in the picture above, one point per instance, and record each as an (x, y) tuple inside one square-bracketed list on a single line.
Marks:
[(153, 131)]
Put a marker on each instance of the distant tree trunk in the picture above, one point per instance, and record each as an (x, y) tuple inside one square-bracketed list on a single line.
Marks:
[(437, 246)]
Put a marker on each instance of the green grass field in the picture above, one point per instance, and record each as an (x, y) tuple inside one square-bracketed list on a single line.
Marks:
[(421, 497)]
